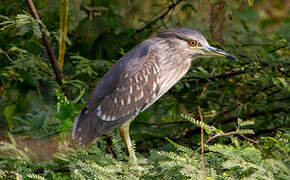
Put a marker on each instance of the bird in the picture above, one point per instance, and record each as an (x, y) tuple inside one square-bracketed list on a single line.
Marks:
[(137, 80)]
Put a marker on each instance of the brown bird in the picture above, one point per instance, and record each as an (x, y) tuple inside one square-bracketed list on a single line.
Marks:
[(137, 80)]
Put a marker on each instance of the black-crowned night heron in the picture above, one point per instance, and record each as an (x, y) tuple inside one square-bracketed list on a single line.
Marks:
[(137, 80)]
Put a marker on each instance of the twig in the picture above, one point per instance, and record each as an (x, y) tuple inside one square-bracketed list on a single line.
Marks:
[(162, 16), (202, 150), (249, 139), (8, 57), (224, 134), (162, 124), (211, 138), (201, 119), (221, 76), (228, 74), (46, 42)]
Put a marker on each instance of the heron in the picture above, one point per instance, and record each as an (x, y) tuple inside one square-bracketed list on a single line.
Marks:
[(137, 80)]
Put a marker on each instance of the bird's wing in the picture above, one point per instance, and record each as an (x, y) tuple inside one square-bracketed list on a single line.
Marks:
[(127, 88)]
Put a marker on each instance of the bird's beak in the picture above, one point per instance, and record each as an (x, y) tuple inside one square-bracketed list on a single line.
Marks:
[(214, 52)]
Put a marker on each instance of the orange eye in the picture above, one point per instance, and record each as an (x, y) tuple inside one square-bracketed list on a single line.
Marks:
[(193, 43)]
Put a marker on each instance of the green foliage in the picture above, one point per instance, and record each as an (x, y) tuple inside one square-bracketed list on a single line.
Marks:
[(245, 104), (237, 160), (23, 23), (247, 162)]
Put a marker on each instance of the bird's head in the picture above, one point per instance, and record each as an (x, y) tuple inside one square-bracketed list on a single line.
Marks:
[(192, 43)]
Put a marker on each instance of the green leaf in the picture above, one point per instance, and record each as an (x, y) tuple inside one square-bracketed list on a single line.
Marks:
[(245, 123)]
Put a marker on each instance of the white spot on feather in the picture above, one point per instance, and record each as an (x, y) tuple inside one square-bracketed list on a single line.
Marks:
[(147, 100), (131, 90), (80, 139), (154, 71), (141, 95), (156, 67), (147, 70), (115, 100), (136, 79), (122, 102), (154, 86), (80, 129), (146, 78), (99, 113), (129, 100), (103, 117)]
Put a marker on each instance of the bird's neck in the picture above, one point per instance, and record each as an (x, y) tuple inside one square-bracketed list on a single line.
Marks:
[(173, 67)]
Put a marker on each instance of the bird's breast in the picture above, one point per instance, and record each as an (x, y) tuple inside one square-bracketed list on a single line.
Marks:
[(170, 73)]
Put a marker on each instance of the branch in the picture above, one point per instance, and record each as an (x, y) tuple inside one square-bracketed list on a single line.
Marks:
[(201, 137), (211, 138), (162, 124), (249, 139), (227, 74), (224, 134), (46, 42), (221, 76), (162, 16)]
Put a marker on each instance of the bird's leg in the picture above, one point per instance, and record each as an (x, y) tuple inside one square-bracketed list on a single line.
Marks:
[(124, 132)]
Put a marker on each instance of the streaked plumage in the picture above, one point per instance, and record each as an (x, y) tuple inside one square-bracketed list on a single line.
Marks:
[(137, 80)]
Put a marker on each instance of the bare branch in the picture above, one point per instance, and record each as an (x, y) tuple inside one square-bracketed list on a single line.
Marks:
[(211, 138), (224, 134), (162, 16), (46, 42), (202, 150), (249, 139)]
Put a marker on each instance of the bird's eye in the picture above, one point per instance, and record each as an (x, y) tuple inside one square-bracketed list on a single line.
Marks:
[(193, 43)]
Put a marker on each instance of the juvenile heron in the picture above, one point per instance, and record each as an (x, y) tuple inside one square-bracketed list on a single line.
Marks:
[(137, 80)]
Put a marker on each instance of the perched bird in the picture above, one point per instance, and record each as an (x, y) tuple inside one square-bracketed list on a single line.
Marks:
[(137, 80)]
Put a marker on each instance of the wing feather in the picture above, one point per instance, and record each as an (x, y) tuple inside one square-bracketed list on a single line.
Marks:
[(126, 89)]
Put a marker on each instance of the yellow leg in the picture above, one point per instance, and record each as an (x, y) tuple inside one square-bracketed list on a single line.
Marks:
[(124, 132)]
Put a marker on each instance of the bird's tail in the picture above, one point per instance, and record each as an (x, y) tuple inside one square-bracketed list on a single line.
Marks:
[(88, 126), (85, 128)]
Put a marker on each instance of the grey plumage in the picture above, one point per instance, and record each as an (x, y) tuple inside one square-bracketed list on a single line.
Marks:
[(137, 80)]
